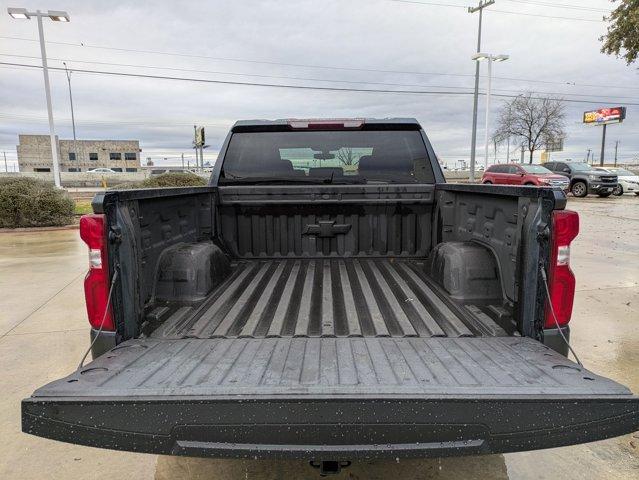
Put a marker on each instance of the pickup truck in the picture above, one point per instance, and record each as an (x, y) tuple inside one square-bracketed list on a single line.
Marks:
[(585, 179), (329, 297)]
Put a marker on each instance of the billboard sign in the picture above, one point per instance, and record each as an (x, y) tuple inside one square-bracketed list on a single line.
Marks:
[(556, 145), (199, 136), (605, 115)]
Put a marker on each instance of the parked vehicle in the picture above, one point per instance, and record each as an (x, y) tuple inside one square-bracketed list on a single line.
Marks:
[(102, 170), (523, 174), (584, 179), (297, 309), (628, 181)]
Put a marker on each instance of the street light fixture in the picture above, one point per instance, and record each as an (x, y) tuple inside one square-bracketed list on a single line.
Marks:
[(478, 57), (19, 13), (56, 16)]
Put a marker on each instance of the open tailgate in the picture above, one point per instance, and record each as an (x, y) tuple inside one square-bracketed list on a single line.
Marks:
[(337, 398)]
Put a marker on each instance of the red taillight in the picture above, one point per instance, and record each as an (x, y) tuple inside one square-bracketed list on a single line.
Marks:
[(96, 283), (561, 280)]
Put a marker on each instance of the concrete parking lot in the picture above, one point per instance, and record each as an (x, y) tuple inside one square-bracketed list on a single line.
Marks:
[(44, 334)]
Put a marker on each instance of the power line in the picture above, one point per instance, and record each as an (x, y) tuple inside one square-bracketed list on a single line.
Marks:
[(561, 5), (137, 122), (327, 67), (96, 123), (229, 59), (314, 79), (526, 2), (288, 77), (556, 17), (252, 84), (298, 87), (415, 2), (435, 4)]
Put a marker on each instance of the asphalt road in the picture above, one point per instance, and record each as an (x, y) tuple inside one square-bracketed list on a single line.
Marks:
[(43, 334)]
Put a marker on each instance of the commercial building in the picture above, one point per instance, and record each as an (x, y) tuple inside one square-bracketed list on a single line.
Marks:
[(34, 154)]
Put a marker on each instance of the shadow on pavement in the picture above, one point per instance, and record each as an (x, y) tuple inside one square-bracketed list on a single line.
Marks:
[(486, 467)]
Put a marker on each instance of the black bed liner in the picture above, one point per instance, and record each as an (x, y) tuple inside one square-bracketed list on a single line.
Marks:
[(363, 397), (332, 366), (328, 298)]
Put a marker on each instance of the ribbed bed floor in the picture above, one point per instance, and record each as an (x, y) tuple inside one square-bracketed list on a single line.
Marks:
[(326, 298), (332, 366)]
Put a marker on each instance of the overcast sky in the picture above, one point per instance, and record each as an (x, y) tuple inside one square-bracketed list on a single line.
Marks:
[(361, 44)]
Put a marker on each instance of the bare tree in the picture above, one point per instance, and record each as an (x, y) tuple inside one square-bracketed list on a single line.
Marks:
[(533, 120), (346, 156)]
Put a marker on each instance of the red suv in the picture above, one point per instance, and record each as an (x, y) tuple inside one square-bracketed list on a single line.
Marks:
[(522, 174)]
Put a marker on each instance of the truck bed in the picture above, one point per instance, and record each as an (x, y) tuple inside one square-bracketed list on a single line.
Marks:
[(327, 298)]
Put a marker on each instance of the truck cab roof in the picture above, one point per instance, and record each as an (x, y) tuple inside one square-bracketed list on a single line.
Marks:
[(325, 123)]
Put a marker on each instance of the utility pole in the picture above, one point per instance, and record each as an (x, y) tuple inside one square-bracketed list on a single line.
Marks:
[(182, 161), (6, 169), (603, 145), (616, 146), (473, 142), (75, 145), (521, 160), (588, 156)]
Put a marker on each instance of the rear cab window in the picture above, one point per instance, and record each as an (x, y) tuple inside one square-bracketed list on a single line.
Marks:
[(327, 157)]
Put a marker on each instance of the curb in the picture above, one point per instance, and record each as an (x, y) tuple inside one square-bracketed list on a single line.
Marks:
[(38, 229)]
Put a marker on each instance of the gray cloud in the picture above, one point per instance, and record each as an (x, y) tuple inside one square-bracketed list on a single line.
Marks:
[(358, 34)]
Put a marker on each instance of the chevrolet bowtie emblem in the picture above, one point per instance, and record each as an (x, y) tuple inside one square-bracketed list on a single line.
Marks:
[(326, 228)]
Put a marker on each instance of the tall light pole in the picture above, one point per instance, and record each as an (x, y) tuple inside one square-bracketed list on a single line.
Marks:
[(56, 16), (75, 146), (473, 139), (478, 57)]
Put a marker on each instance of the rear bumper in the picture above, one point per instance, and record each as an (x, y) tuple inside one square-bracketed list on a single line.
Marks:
[(331, 428)]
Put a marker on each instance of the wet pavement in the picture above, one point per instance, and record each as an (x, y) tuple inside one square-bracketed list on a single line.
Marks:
[(43, 334)]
